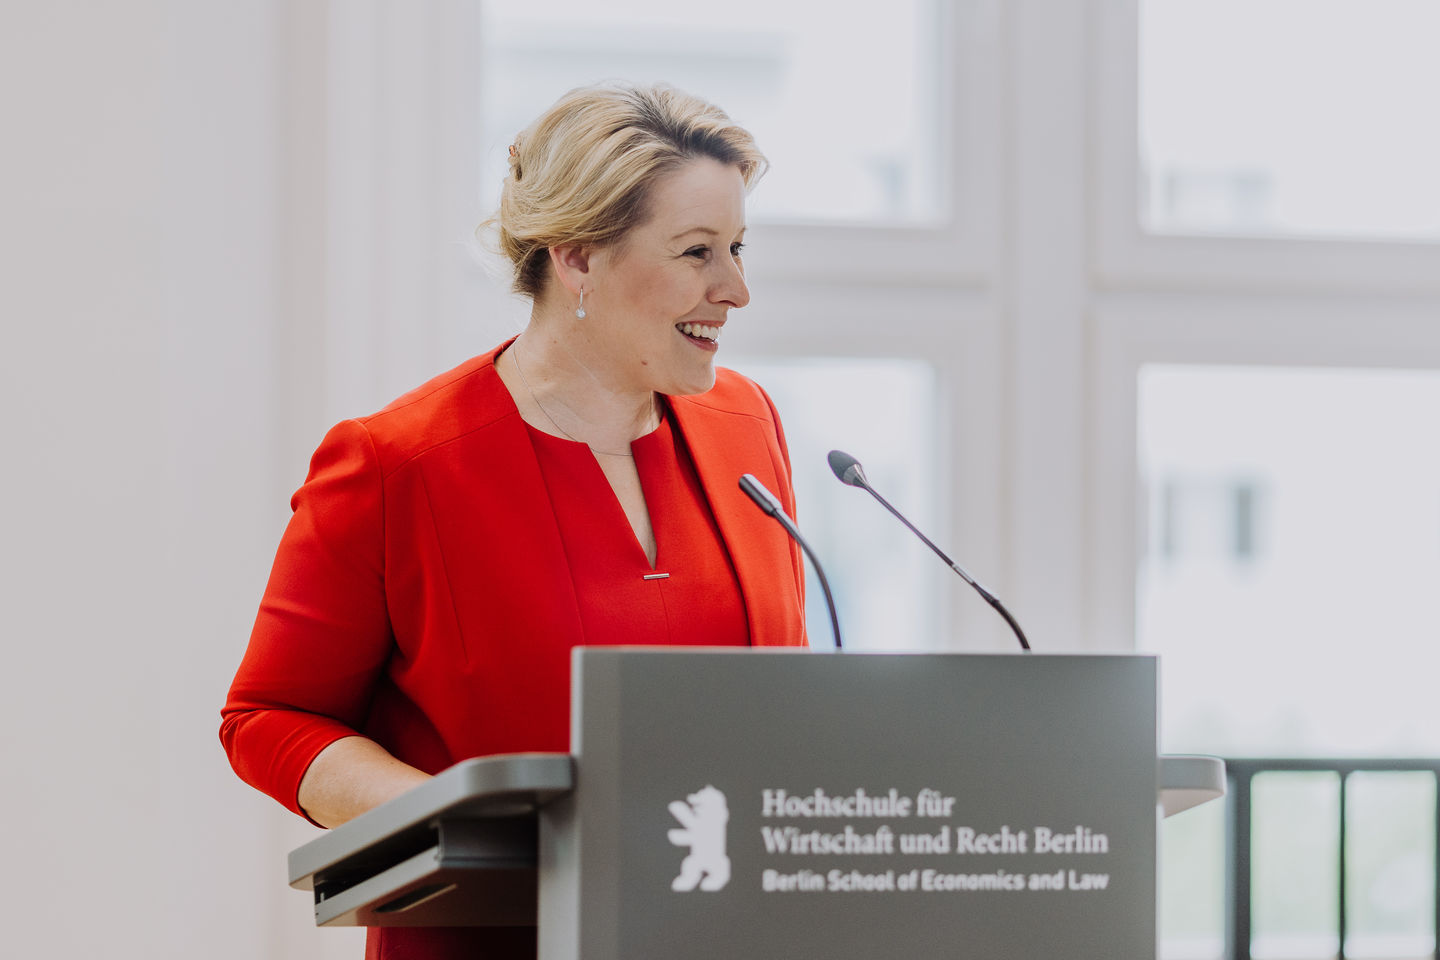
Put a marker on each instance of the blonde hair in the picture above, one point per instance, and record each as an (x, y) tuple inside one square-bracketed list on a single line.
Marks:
[(582, 173)]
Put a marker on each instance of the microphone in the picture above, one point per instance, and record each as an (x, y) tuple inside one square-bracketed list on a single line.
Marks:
[(770, 506), (849, 472)]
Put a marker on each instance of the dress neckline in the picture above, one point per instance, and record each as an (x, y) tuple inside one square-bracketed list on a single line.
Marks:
[(645, 441)]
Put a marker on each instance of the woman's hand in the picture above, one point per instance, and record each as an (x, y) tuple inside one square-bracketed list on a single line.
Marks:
[(351, 776)]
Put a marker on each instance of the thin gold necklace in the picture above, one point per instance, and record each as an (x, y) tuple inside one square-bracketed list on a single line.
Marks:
[(566, 433)]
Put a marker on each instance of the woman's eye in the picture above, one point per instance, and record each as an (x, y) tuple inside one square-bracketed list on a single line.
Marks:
[(703, 252)]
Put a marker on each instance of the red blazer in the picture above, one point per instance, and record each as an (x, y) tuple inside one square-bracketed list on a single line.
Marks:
[(420, 595)]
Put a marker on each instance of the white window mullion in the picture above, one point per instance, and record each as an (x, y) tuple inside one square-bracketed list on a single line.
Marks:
[(1045, 291)]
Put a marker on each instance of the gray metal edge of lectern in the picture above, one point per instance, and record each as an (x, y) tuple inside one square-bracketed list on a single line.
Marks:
[(473, 826)]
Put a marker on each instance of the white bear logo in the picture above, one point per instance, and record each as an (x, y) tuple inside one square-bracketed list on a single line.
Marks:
[(704, 819)]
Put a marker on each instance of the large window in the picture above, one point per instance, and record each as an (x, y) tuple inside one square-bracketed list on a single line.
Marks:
[(1268, 503)]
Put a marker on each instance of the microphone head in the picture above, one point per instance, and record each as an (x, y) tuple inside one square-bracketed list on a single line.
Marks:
[(847, 469), (763, 498)]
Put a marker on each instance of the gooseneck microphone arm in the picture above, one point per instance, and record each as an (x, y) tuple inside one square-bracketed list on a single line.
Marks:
[(848, 471), (768, 503)]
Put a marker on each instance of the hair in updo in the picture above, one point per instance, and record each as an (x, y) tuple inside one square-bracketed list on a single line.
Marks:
[(582, 173)]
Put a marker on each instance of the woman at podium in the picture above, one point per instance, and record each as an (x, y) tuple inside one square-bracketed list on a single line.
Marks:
[(575, 485)]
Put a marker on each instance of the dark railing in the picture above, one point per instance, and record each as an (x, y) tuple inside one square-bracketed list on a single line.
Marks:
[(1239, 826)]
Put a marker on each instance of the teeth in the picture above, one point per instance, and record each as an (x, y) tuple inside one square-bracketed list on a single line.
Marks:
[(699, 330)]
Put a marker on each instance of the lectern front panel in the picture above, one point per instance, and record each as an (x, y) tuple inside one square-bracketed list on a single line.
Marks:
[(781, 804)]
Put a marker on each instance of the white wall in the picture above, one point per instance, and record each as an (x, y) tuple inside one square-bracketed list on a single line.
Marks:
[(222, 226), (138, 224)]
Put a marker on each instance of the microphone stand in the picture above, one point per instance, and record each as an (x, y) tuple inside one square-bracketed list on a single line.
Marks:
[(848, 471), (768, 504)]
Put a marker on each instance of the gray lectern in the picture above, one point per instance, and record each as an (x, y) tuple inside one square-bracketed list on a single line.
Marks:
[(781, 804)]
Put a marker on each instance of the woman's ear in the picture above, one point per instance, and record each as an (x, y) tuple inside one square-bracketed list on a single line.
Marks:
[(571, 264)]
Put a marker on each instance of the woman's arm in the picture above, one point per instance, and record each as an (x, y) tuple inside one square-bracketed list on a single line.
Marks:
[(320, 644), (351, 776)]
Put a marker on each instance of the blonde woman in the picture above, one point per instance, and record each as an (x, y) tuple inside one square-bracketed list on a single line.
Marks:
[(575, 485)]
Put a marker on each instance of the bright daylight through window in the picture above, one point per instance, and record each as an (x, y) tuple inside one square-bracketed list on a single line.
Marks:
[(1290, 118), (780, 70)]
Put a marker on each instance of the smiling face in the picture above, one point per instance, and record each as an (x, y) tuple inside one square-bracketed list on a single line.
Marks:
[(655, 302)]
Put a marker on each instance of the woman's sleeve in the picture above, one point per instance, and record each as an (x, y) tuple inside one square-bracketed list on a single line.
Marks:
[(323, 634)]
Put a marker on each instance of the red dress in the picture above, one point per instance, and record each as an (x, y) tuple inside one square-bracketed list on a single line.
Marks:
[(690, 596), (444, 558)]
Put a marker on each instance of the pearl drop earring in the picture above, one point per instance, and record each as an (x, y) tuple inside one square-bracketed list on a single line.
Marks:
[(580, 310)]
